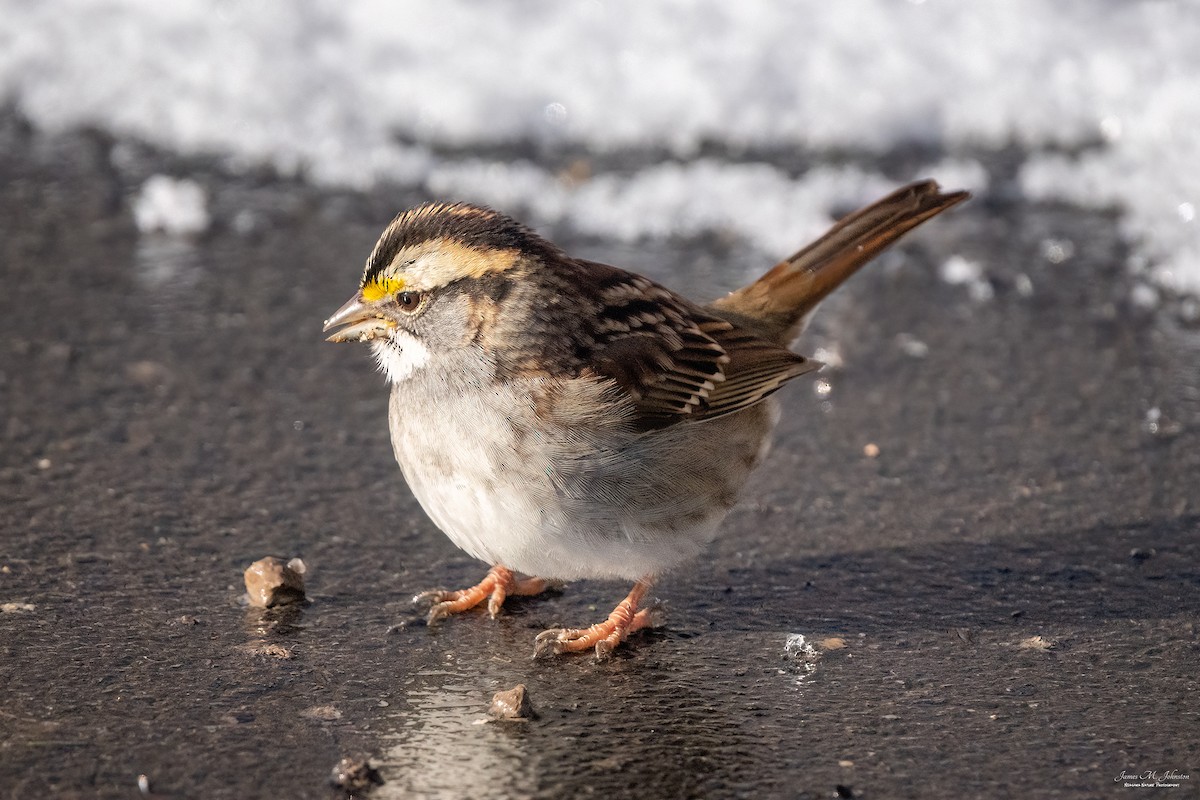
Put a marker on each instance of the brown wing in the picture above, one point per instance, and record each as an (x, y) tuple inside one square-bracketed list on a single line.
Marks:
[(757, 368), (677, 361)]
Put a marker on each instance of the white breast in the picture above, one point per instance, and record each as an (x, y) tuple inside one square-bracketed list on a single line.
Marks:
[(460, 459)]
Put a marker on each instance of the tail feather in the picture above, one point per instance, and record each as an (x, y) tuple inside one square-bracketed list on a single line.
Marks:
[(782, 300)]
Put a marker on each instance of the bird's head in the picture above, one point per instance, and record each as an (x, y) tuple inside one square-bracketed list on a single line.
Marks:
[(435, 280)]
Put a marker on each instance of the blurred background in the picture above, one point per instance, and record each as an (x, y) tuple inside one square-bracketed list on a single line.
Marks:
[(626, 120)]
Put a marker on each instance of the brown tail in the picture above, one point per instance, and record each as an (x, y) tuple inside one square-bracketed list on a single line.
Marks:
[(782, 300)]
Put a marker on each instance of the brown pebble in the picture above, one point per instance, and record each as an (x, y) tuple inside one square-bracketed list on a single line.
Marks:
[(322, 713), (146, 373), (1036, 643), (512, 704), (832, 643), (13, 608), (871, 450), (258, 647), (271, 582), (355, 774)]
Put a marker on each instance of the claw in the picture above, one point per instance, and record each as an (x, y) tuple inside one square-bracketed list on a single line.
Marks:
[(429, 598), (604, 649), (548, 643), (652, 616), (605, 636), (437, 602), (496, 586), (437, 613)]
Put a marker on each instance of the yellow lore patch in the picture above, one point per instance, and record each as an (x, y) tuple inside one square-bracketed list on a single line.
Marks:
[(381, 287)]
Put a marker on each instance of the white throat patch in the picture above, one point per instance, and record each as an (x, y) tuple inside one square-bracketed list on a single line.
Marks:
[(400, 357)]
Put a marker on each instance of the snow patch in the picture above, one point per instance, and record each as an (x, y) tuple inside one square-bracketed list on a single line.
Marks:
[(1100, 93), (169, 205)]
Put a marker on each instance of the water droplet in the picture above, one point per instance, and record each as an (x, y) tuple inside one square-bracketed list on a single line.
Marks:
[(1056, 251), (1024, 285), (957, 270), (1150, 424), (911, 345), (1143, 295), (830, 356)]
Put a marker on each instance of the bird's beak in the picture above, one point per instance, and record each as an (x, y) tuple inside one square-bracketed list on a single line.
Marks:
[(359, 322)]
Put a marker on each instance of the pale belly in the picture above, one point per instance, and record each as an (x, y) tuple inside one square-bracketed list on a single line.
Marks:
[(570, 503)]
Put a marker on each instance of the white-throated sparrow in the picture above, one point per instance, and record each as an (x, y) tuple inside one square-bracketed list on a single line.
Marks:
[(565, 419)]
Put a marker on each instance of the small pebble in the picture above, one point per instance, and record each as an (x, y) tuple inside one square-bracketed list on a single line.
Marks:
[(272, 582), (13, 608), (260, 648), (276, 651), (322, 713), (355, 774), (43, 464), (1036, 643), (871, 450), (512, 704), (143, 784), (145, 373)]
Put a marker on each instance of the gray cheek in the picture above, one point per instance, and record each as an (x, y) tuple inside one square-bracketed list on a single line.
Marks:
[(445, 325)]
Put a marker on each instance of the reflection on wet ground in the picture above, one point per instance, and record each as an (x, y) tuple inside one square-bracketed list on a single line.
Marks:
[(983, 526)]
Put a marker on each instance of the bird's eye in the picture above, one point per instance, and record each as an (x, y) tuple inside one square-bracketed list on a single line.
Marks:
[(409, 301)]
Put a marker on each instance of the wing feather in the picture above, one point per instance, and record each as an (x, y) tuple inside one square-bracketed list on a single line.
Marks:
[(675, 360)]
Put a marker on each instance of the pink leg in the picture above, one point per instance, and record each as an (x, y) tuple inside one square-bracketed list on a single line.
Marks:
[(604, 636), (499, 583)]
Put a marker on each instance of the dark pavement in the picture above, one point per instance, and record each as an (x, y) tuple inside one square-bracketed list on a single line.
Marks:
[(170, 413)]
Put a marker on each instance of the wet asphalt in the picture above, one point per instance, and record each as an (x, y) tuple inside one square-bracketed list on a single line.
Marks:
[(1002, 602)]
